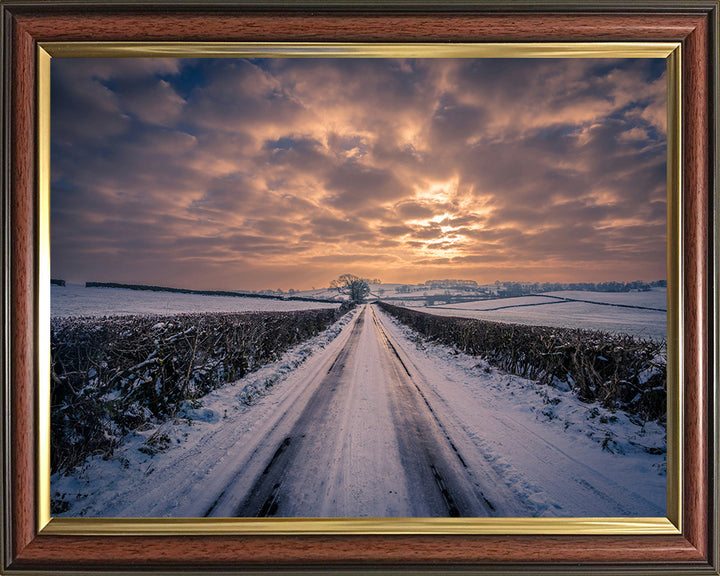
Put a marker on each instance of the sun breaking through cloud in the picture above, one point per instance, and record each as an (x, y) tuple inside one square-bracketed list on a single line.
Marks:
[(255, 174)]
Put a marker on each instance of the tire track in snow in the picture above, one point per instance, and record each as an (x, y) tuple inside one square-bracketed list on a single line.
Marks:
[(537, 480), (419, 470), (263, 496), (419, 391), (422, 434), (281, 456)]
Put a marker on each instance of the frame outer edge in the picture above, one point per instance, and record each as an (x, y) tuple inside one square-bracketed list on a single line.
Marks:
[(714, 267), (700, 289), (712, 202), (22, 318), (5, 57), (374, 6)]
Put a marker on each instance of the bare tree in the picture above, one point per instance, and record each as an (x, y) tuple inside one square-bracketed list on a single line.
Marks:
[(355, 287)]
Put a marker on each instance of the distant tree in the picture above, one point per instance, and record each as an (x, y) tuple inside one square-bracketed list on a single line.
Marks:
[(355, 287)]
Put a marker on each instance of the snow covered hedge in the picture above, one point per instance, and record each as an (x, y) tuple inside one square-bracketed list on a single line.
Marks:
[(620, 371), (114, 374)]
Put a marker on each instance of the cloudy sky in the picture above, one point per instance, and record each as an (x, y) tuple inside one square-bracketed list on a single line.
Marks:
[(285, 173)]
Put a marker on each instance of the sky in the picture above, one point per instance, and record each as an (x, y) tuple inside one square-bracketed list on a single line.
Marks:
[(285, 173)]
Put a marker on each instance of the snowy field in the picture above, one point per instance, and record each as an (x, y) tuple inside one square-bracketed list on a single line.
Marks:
[(75, 300), (655, 298), (497, 303), (543, 311)]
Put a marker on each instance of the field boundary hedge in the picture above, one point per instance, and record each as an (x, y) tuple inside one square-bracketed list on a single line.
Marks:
[(619, 371), (114, 374), (151, 288)]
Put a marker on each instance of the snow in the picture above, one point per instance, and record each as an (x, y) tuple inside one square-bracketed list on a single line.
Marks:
[(346, 477), (554, 455), (654, 298), (564, 457), (544, 311), (75, 300), (495, 303), (204, 442)]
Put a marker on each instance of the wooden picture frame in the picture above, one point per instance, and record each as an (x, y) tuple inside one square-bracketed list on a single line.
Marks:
[(27, 548)]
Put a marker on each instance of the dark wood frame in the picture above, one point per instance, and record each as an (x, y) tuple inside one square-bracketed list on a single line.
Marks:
[(693, 23)]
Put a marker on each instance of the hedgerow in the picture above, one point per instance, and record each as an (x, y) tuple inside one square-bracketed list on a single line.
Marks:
[(114, 374), (619, 371)]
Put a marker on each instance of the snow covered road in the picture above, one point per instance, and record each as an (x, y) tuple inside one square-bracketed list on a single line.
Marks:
[(377, 423), (366, 444)]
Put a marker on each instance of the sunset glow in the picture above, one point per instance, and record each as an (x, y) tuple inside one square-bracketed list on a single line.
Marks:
[(286, 173)]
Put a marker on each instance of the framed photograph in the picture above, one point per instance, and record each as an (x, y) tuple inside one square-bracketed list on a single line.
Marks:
[(321, 287)]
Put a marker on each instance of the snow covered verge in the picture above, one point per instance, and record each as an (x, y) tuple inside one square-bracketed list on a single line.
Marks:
[(112, 375), (171, 468), (560, 455), (619, 371)]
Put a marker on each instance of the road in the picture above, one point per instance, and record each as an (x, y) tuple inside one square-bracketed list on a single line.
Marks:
[(367, 442), (373, 421)]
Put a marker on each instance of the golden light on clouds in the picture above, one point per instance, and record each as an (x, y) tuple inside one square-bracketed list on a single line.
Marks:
[(253, 174)]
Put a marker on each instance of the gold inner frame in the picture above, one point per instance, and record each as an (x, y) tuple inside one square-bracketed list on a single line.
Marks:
[(671, 52)]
